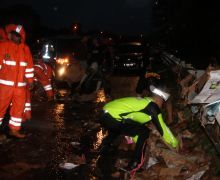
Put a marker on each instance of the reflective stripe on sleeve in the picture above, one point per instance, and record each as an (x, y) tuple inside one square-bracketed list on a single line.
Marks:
[(29, 70), (27, 104), (1, 120), (39, 67), (27, 109), (29, 75)]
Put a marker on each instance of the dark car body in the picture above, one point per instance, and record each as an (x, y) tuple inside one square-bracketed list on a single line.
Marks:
[(129, 55)]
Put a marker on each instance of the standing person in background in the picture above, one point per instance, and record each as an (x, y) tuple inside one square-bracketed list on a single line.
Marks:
[(95, 52), (16, 71), (81, 53)]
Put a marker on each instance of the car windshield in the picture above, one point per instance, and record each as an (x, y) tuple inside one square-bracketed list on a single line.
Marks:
[(130, 48)]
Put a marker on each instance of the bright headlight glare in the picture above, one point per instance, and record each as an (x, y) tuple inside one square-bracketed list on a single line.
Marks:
[(61, 71), (62, 60)]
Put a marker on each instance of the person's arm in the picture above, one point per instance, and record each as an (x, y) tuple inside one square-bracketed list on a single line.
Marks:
[(29, 71), (158, 121)]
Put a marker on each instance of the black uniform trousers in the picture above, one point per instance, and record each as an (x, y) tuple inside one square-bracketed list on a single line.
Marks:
[(125, 127)]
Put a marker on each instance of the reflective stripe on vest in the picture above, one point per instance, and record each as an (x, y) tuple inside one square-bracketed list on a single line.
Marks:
[(13, 63), (11, 83), (9, 62), (23, 64)]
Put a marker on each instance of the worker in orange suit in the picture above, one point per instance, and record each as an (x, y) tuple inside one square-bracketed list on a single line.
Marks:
[(43, 73), (16, 71)]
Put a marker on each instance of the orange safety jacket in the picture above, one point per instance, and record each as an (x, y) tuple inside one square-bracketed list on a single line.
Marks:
[(16, 70), (44, 73), (16, 65)]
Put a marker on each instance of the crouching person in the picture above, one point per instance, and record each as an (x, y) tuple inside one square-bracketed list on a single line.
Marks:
[(129, 116)]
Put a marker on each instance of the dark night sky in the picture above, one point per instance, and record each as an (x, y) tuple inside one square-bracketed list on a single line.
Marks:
[(125, 16)]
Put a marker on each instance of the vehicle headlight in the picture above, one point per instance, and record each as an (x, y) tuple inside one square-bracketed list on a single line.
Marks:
[(61, 71), (62, 60)]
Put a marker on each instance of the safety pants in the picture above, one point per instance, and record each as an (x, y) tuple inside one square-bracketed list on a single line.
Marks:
[(15, 96), (129, 128)]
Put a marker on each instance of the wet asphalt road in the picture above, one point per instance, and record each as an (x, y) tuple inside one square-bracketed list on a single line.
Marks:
[(61, 132)]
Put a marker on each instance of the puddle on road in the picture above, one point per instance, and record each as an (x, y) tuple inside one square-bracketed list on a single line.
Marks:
[(59, 153), (59, 113), (99, 135)]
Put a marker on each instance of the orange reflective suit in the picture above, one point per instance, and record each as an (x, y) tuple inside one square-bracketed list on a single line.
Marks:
[(16, 70), (44, 73)]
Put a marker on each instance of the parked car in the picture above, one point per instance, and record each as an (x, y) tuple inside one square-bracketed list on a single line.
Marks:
[(130, 55)]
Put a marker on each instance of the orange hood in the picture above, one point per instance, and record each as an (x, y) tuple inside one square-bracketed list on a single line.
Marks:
[(17, 28)]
